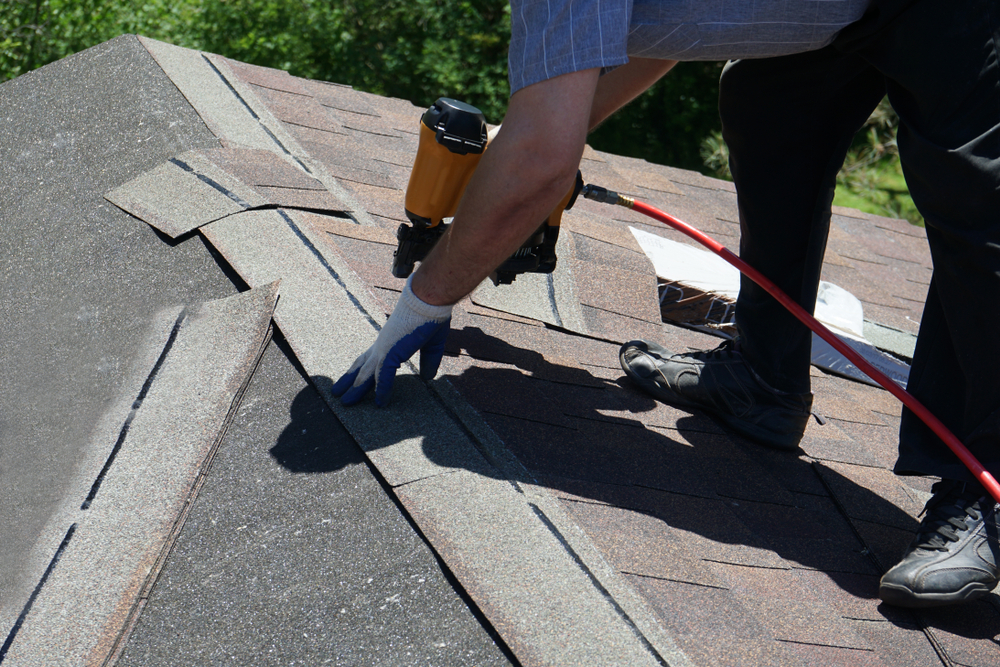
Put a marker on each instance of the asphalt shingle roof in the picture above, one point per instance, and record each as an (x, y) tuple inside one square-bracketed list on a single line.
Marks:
[(543, 479)]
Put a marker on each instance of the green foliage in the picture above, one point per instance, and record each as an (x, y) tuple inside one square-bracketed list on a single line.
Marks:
[(666, 124), (416, 50), (36, 32), (872, 177)]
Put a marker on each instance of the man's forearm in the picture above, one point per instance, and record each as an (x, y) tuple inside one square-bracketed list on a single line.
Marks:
[(525, 172)]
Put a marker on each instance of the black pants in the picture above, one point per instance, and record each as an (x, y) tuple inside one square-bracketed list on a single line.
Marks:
[(789, 122)]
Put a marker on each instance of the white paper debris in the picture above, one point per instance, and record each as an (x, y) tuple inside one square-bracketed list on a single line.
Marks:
[(836, 308)]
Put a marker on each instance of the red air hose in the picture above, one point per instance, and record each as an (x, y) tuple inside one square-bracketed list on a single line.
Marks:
[(961, 451)]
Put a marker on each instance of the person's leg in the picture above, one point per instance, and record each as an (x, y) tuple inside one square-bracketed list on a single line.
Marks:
[(947, 94), (943, 78), (788, 123)]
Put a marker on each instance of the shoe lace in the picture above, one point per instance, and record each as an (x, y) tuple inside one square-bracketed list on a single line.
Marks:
[(946, 515), (726, 349)]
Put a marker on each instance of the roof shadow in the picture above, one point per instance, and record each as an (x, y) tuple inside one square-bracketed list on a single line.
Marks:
[(663, 488), (305, 444), (597, 443)]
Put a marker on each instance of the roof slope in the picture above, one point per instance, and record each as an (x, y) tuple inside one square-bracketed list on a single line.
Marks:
[(589, 523)]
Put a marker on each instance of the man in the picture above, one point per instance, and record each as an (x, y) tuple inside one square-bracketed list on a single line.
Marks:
[(789, 121)]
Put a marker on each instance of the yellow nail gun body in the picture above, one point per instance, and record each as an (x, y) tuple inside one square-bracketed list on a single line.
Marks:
[(453, 138)]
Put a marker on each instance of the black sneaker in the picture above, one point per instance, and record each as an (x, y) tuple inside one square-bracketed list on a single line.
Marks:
[(953, 557), (720, 382)]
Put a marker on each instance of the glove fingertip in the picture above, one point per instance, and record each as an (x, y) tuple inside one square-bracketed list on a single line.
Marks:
[(429, 365), (357, 393), (383, 389), (343, 384)]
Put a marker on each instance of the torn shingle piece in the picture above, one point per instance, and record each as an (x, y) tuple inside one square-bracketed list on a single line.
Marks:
[(871, 494), (618, 290), (636, 543), (832, 656), (266, 77), (789, 610), (886, 544), (315, 200), (297, 110), (313, 136), (648, 177), (586, 223), (618, 328), (260, 167), (688, 611), (345, 167), (348, 229), (336, 96), (176, 198), (853, 596), (386, 205)]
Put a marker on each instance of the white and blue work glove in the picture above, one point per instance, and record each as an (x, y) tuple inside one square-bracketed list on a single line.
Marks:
[(413, 325)]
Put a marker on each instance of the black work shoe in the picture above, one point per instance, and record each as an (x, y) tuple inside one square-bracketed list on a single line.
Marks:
[(720, 382), (953, 557)]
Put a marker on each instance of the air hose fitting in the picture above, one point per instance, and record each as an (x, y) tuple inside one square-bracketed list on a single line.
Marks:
[(605, 196)]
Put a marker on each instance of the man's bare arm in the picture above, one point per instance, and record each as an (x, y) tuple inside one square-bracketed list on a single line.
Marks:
[(527, 169)]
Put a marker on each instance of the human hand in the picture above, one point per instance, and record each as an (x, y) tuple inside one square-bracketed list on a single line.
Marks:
[(413, 325)]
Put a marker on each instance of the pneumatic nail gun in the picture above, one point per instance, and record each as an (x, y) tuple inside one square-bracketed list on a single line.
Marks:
[(453, 138)]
